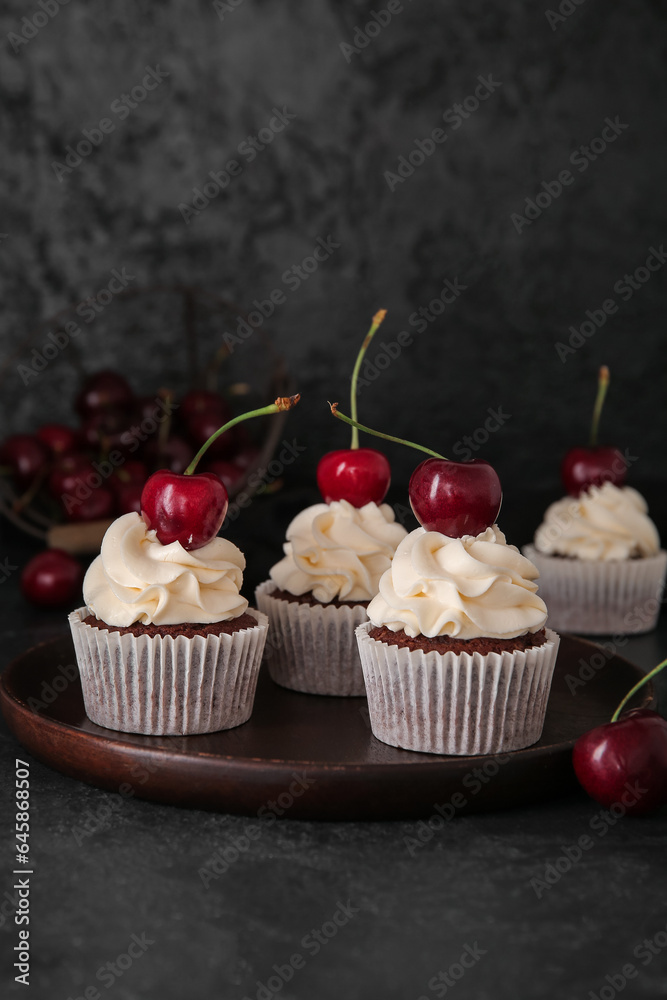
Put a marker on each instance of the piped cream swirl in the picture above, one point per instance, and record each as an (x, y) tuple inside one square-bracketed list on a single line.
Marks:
[(338, 552), (137, 579), (470, 587), (605, 523)]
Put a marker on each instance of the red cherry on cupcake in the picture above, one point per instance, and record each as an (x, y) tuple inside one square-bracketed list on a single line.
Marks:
[(25, 455), (190, 508), (625, 762), (360, 476), (52, 579), (593, 466), (455, 498)]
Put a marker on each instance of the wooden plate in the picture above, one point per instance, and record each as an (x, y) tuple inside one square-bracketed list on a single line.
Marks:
[(304, 756)]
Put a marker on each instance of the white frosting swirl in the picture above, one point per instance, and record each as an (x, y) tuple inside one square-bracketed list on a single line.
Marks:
[(470, 587), (603, 524), (137, 579), (338, 552)]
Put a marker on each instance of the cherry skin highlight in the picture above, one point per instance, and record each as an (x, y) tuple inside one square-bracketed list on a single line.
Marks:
[(625, 762), (585, 467), (358, 475), (455, 498), (185, 509)]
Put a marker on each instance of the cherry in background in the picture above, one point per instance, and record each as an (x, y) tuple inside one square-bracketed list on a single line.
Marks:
[(358, 475), (52, 579), (26, 456), (593, 466), (59, 439), (102, 391)]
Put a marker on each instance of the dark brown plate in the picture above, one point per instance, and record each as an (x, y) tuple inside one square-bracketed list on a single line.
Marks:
[(303, 756)]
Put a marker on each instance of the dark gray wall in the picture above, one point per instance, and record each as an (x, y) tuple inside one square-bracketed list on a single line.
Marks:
[(355, 114)]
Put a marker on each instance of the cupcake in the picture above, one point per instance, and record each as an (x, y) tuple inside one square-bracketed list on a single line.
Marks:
[(601, 566), (319, 592), (166, 645), (456, 657)]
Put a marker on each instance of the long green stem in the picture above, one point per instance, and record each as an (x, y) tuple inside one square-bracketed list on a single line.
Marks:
[(281, 404), (603, 385), (377, 320), (379, 434), (638, 685)]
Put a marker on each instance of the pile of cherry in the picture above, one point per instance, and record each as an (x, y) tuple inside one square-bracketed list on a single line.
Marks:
[(97, 470)]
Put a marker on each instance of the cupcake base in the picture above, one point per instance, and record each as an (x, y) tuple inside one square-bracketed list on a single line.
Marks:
[(457, 703), (312, 647), (600, 598), (168, 685)]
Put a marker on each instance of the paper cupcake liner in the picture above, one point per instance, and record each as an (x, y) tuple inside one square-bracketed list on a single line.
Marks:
[(600, 598), (164, 685), (312, 649), (449, 703)]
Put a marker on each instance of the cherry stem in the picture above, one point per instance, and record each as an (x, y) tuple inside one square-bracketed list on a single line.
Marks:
[(281, 404), (165, 427), (379, 434), (603, 385), (377, 320), (638, 685)]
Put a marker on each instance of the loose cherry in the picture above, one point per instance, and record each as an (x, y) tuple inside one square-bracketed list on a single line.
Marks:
[(624, 762), (59, 439), (128, 497), (102, 391), (25, 455), (174, 454), (360, 476), (455, 498), (52, 579), (190, 509), (582, 468)]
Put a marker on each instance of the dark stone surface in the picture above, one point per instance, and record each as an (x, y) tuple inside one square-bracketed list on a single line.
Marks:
[(108, 867)]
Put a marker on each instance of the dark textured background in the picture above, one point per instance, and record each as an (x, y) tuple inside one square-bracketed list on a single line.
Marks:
[(324, 175), (493, 347)]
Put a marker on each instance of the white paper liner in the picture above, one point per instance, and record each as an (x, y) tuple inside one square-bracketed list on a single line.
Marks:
[(600, 598), (312, 649), (457, 703), (164, 685)]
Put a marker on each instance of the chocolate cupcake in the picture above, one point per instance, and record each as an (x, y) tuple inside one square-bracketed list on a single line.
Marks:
[(318, 594), (166, 645), (456, 658), (601, 567)]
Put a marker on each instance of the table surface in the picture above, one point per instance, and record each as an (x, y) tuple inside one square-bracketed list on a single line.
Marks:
[(135, 900)]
